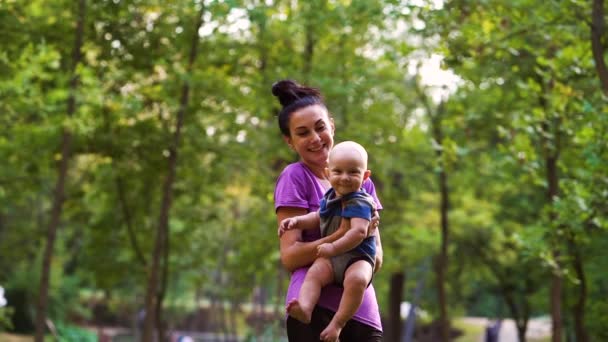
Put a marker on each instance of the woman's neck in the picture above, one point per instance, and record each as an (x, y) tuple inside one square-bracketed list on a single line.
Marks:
[(319, 173), (324, 183)]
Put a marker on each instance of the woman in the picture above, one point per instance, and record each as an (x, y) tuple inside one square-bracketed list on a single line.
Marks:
[(308, 129)]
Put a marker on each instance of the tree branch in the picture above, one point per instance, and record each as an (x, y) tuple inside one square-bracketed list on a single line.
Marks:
[(597, 31)]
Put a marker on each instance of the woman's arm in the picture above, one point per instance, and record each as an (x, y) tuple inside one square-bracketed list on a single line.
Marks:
[(371, 189), (294, 252), (379, 252)]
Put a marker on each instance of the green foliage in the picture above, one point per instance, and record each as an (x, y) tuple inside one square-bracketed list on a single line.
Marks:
[(528, 88), (523, 103), (597, 327), (68, 333), (5, 318), (5, 312)]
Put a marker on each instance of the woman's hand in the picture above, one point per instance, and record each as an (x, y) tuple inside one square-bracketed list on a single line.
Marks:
[(374, 223), (373, 230), (378, 263)]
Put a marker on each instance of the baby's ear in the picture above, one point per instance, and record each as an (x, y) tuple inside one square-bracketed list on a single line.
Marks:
[(326, 172), (366, 174)]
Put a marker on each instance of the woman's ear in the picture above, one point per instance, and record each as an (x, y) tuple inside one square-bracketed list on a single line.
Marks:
[(288, 142), (333, 126)]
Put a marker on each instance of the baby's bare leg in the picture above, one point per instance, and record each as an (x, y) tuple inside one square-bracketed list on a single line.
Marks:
[(319, 274), (356, 279)]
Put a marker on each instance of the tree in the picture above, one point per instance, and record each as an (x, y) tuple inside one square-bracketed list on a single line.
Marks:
[(155, 291), (58, 197)]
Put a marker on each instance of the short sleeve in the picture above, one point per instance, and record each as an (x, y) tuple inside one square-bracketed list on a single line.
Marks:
[(289, 190), (296, 187), (357, 208), (369, 187)]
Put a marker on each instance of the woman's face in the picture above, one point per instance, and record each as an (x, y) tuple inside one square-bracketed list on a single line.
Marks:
[(312, 135)]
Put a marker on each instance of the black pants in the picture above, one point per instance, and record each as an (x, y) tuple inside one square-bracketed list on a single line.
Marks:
[(353, 331)]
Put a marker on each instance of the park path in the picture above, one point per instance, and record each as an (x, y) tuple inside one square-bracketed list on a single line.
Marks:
[(538, 328)]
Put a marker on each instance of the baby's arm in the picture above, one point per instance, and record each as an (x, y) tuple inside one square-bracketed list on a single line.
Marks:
[(302, 222), (351, 239)]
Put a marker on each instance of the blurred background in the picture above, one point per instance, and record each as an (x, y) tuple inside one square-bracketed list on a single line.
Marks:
[(139, 150)]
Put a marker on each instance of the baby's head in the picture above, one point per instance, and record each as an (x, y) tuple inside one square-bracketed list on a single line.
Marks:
[(347, 167)]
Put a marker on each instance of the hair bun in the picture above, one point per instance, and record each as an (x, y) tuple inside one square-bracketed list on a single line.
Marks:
[(288, 91)]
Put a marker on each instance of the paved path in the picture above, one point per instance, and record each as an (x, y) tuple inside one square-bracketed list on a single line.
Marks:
[(537, 328)]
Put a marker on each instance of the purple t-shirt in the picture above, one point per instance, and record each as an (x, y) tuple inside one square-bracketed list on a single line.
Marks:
[(298, 187)]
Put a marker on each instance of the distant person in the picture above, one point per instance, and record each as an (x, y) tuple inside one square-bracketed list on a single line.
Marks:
[(185, 338), (493, 330), (308, 129), (350, 257)]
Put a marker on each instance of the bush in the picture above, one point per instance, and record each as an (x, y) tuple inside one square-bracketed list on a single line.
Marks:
[(597, 318), (68, 333), (5, 318), (5, 313)]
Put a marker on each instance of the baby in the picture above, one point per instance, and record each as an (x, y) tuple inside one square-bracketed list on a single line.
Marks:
[(348, 261)]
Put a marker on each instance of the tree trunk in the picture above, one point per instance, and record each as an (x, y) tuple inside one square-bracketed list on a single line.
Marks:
[(309, 51), (579, 307), (214, 321), (556, 278), (597, 47), (508, 291), (232, 318), (59, 192), (521, 320), (153, 297), (263, 50), (311, 13), (522, 323), (442, 260), (343, 103), (126, 214), (551, 151), (394, 312), (164, 279)]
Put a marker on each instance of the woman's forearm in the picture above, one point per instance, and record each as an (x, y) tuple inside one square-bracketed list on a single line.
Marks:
[(294, 252), (299, 254), (379, 251)]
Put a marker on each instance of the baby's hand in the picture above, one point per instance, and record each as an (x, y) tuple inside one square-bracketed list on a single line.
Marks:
[(325, 250), (287, 224)]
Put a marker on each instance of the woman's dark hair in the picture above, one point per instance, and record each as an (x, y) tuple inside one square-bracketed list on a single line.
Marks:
[(292, 97)]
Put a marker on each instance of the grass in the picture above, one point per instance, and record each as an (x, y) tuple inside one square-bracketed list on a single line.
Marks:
[(471, 332), (5, 337)]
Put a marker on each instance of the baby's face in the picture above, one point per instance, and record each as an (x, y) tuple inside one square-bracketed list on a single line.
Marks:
[(346, 172)]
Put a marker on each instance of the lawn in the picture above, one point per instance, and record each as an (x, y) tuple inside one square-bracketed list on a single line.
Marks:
[(5, 337)]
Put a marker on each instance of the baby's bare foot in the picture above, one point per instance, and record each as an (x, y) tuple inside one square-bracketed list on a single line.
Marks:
[(295, 310), (331, 333)]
